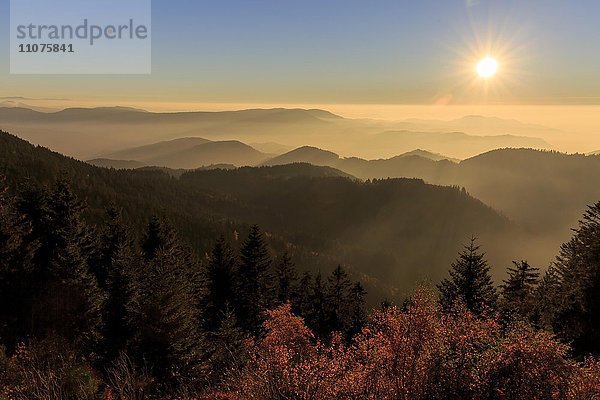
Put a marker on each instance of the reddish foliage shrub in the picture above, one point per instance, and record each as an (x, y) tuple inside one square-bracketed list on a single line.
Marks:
[(416, 354), (47, 370)]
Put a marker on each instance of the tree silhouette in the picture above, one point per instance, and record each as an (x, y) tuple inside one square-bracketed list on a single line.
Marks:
[(255, 281), (286, 276), (302, 299), (578, 268), (518, 291), (220, 283), (470, 282), (16, 256), (356, 306), (117, 276), (166, 311), (547, 299), (72, 300), (316, 315), (338, 293)]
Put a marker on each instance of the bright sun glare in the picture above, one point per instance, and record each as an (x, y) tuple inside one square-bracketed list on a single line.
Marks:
[(487, 67)]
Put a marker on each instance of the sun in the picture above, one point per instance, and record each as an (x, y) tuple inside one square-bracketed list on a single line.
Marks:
[(487, 67)]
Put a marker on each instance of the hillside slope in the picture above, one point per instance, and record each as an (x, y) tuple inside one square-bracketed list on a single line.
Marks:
[(544, 190), (527, 185), (184, 153), (389, 233), (225, 152), (155, 150)]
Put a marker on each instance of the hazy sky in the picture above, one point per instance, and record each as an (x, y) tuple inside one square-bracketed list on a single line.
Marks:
[(349, 51)]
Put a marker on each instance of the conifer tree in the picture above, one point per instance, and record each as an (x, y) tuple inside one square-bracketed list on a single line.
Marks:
[(316, 316), (165, 307), (220, 281), (76, 301), (11, 231), (112, 235), (356, 305), (67, 300), (287, 276), (115, 269), (547, 300), (159, 233), (16, 255), (578, 269), (338, 290), (301, 301), (470, 282), (32, 203), (255, 282), (518, 291), (227, 346)]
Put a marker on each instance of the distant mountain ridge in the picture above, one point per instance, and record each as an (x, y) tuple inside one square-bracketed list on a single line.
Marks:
[(428, 155), (317, 156), (187, 153), (90, 133), (306, 154), (224, 152), (116, 164), (160, 149), (469, 145), (193, 153), (414, 164), (18, 103), (477, 124)]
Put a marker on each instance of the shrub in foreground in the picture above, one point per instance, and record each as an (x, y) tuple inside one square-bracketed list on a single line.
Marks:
[(418, 353)]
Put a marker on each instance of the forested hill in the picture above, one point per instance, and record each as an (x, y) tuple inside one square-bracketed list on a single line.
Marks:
[(394, 231)]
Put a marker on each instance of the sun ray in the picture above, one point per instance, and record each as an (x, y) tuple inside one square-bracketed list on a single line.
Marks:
[(510, 48)]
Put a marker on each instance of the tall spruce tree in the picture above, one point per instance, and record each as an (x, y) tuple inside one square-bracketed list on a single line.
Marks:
[(301, 300), (338, 291), (316, 315), (287, 277), (75, 302), (16, 255), (11, 229), (519, 290), (356, 306), (547, 299), (115, 268), (577, 318), (165, 307), (32, 204), (470, 282), (255, 282), (67, 300), (220, 284), (159, 233)]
